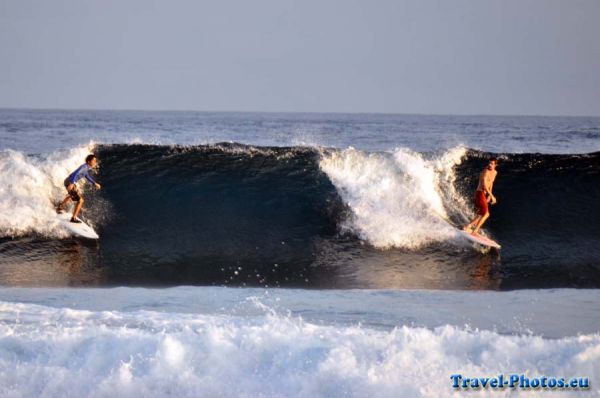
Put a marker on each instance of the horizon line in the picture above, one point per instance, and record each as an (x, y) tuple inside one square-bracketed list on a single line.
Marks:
[(292, 112)]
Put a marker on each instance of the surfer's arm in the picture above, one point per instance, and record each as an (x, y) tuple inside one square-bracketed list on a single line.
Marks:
[(74, 176), (488, 184), (491, 195), (90, 179)]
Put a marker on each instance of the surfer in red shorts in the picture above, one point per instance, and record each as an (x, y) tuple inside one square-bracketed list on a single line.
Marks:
[(483, 196)]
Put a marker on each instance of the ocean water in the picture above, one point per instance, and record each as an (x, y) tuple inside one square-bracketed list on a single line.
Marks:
[(235, 342), (248, 254)]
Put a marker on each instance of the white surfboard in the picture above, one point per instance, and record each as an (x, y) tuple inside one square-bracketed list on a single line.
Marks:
[(78, 229), (477, 238), (480, 239)]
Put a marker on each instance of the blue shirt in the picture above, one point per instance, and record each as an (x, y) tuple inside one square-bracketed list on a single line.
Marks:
[(82, 171)]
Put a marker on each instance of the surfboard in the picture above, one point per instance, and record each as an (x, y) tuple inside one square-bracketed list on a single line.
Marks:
[(479, 239), (80, 229)]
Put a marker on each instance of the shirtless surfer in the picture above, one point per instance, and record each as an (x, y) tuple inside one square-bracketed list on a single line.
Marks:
[(483, 195)]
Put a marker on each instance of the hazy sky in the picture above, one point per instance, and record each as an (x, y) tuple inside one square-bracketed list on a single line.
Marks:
[(421, 56)]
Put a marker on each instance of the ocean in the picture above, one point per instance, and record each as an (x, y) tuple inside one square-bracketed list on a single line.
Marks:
[(272, 254)]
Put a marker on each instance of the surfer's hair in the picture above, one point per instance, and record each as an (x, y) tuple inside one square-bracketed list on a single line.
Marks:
[(89, 158), (493, 159)]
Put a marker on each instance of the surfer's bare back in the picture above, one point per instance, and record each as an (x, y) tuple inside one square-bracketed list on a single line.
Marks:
[(483, 196), (71, 186)]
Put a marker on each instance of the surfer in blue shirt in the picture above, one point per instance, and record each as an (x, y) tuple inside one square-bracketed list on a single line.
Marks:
[(70, 183)]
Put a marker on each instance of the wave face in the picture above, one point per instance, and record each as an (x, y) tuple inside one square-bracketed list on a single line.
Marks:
[(161, 354), (230, 207), (548, 209), (241, 215)]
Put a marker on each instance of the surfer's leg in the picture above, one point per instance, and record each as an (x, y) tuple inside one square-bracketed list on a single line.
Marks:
[(480, 223), (62, 204), (78, 207), (469, 226), (482, 211), (71, 194)]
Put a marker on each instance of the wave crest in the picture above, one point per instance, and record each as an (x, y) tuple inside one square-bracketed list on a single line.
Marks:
[(397, 199)]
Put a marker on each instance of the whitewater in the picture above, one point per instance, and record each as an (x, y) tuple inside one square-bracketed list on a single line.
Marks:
[(191, 342)]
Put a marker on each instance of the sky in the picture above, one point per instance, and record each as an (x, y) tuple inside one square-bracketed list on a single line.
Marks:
[(536, 57)]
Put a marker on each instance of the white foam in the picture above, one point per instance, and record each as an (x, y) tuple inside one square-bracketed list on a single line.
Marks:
[(47, 352), (397, 199), (29, 187)]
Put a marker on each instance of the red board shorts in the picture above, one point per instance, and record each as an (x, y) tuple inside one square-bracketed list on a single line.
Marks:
[(481, 203)]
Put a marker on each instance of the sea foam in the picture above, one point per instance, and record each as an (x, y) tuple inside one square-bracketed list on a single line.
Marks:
[(48, 352), (398, 199)]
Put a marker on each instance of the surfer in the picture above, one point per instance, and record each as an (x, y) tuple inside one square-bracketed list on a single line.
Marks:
[(483, 196), (70, 182)]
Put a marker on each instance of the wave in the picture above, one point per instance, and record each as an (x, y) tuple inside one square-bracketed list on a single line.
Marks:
[(231, 213), (63, 351)]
